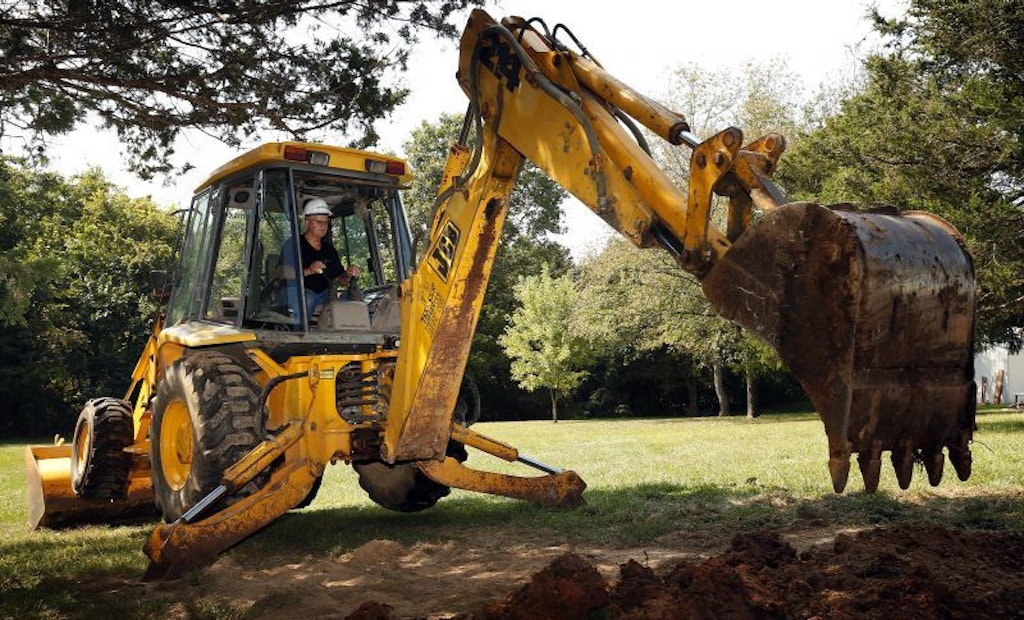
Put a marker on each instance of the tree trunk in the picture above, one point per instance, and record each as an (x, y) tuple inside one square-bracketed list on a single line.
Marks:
[(691, 389), (723, 398), (554, 406), (751, 394)]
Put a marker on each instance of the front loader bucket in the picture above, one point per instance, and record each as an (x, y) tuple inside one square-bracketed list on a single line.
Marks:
[(873, 312), (52, 502)]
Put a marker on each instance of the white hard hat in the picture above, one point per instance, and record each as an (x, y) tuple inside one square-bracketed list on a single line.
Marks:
[(316, 206)]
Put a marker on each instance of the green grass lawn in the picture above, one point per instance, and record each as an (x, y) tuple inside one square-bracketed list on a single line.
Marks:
[(647, 479)]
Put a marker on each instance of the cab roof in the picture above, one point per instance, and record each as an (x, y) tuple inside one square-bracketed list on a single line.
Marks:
[(324, 155)]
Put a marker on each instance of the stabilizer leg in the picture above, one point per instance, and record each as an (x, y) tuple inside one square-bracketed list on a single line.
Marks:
[(558, 488), (564, 489), (179, 547), (189, 542)]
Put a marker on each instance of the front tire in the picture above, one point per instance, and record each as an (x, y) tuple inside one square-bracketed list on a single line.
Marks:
[(206, 416), (99, 464)]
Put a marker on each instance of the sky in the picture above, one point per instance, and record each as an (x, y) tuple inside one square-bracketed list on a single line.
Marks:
[(639, 42)]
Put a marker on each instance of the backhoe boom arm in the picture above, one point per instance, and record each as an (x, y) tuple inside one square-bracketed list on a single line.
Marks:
[(532, 97)]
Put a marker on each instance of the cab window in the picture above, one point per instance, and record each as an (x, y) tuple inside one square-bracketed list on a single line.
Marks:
[(363, 234), (273, 300), (189, 285), (225, 298)]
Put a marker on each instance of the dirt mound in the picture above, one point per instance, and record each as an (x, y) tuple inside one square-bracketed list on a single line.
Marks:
[(887, 574), (570, 587)]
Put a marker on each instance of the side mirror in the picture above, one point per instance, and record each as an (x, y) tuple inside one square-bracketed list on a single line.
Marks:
[(161, 281)]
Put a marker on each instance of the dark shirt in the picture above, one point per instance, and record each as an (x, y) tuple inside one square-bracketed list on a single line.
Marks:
[(319, 282)]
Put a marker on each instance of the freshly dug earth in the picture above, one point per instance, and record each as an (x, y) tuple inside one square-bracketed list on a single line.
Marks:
[(887, 573)]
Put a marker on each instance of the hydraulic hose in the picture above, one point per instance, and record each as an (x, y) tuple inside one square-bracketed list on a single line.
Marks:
[(569, 101)]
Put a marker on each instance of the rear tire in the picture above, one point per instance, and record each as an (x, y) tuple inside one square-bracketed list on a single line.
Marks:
[(403, 487), (206, 416), (399, 487), (99, 465)]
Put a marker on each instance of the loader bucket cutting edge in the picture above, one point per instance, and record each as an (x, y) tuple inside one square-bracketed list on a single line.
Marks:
[(52, 502), (874, 314)]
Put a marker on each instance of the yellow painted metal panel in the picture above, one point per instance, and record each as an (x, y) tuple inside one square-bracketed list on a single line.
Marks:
[(273, 152), (197, 334)]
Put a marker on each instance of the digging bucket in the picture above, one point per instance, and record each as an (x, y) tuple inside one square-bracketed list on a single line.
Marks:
[(873, 312), (52, 502)]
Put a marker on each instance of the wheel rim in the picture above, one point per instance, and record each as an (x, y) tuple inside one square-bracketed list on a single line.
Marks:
[(82, 445), (176, 445)]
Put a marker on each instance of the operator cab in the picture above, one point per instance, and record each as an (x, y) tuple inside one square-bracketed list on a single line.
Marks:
[(240, 250)]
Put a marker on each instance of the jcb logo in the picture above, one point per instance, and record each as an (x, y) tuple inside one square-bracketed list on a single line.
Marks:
[(500, 60), (443, 254)]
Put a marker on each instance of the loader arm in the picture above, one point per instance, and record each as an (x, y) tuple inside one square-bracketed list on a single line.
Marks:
[(849, 299)]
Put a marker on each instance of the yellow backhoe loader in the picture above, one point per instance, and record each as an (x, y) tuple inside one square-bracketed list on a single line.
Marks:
[(245, 392)]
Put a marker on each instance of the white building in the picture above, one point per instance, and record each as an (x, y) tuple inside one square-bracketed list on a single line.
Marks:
[(989, 364)]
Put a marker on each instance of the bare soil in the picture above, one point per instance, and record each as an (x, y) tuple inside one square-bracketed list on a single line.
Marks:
[(886, 573)]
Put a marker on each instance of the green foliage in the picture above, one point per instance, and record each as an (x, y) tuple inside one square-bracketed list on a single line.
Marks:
[(488, 362), (631, 383), (937, 125), (763, 96), (150, 69), (427, 152), (641, 300), (637, 303), (544, 351), (15, 292), (75, 301)]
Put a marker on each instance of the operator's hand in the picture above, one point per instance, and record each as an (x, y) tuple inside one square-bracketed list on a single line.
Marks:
[(354, 271), (316, 266)]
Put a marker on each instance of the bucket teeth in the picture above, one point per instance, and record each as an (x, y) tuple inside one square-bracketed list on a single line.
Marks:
[(903, 463), (839, 468), (870, 468), (960, 457), (933, 464)]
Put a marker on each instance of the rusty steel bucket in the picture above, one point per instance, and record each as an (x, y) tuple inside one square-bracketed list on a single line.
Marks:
[(873, 312)]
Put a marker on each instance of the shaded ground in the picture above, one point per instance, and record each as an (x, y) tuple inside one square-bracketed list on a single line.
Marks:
[(890, 573)]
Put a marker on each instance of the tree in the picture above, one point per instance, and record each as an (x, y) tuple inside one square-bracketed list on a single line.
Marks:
[(762, 98), (80, 312), (150, 69), (938, 125), (642, 301), (534, 211), (538, 339), (756, 360)]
